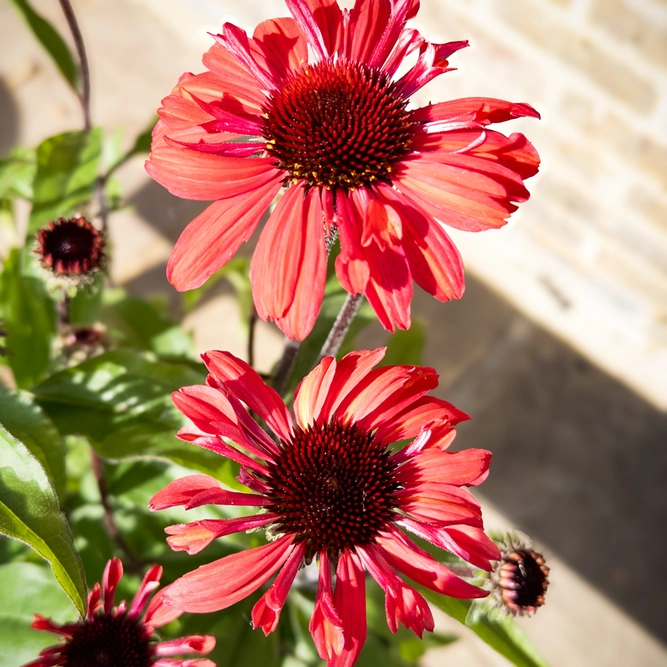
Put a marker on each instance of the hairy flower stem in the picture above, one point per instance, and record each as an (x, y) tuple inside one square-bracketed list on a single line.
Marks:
[(64, 306), (109, 522), (84, 93), (285, 366), (341, 326), (252, 321)]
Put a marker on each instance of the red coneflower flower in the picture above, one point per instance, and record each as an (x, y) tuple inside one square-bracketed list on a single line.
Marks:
[(333, 490), (313, 104), (72, 249), (111, 636)]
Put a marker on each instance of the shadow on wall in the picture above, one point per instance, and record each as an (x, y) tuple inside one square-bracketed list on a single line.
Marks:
[(9, 127), (579, 461)]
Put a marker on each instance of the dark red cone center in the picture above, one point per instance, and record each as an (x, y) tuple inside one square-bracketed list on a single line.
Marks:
[(338, 125), (70, 246), (528, 574), (108, 641), (334, 487)]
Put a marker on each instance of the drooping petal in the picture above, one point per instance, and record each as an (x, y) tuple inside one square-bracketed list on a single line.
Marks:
[(288, 268), (480, 110), (195, 175), (434, 261), (404, 555), (325, 624), (195, 490), (350, 604), (403, 603), (159, 613), (441, 504), (468, 542), (193, 537), (224, 582), (266, 612), (243, 382), (195, 662), (191, 644)]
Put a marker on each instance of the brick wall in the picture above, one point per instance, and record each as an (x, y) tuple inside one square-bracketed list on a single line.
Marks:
[(587, 256)]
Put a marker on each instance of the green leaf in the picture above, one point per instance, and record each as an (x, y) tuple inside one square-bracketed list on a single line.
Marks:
[(139, 324), (67, 171), (51, 40), (27, 589), (17, 172), (29, 317), (121, 401), (142, 144), (29, 512), (406, 347), (237, 272), (500, 633), (26, 421)]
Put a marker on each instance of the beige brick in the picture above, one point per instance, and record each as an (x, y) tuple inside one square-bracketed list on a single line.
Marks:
[(579, 52), (652, 207), (648, 36)]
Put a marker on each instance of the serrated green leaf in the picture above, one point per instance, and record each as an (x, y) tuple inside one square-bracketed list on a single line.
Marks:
[(29, 512), (406, 347), (29, 317), (26, 421), (121, 401), (500, 633), (27, 589), (17, 172), (67, 171), (51, 40)]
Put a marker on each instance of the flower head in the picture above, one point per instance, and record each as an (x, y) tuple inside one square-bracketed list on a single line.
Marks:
[(115, 636), (521, 577), (313, 105), (72, 249), (334, 490)]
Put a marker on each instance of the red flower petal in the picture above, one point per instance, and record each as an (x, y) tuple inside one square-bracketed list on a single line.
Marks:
[(193, 537), (281, 47), (224, 582), (403, 603), (191, 644), (404, 555), (350, 603), (242, 381), (288, 268), (325, 624), (312, 392), (350, 371), (266, 612)]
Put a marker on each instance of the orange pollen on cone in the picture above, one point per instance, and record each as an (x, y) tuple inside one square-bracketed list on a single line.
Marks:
[(107, 640), (334, 487), (338, 125)]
